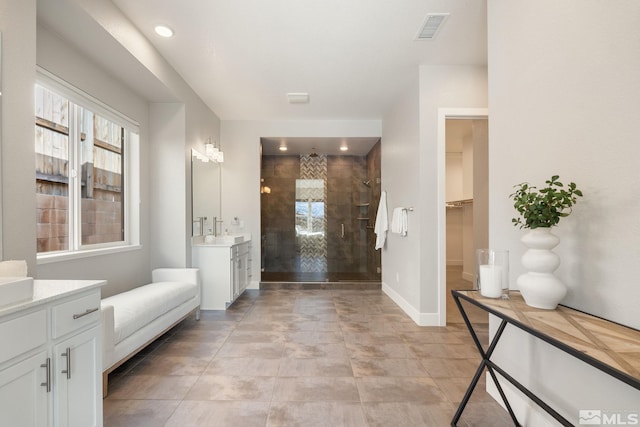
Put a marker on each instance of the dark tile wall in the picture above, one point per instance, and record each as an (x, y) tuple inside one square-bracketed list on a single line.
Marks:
[(279, 249), (353, 253)]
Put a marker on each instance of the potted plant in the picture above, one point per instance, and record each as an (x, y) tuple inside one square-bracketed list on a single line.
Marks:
[(539, 210), (543, 208)]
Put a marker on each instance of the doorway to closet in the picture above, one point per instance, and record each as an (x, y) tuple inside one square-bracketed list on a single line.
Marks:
[(466, 205)]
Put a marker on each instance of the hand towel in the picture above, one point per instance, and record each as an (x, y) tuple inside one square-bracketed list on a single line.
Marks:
[(382, 222), (400, 221)]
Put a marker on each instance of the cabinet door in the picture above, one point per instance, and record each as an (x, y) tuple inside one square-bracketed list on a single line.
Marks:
[(24, 400), (78, 380)]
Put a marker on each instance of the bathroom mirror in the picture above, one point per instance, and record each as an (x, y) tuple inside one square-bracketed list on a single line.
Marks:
[(205, 194)]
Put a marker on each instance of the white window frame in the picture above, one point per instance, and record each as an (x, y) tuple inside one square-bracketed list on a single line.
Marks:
[(131, 174)]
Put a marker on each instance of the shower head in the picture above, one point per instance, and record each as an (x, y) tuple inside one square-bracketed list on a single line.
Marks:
[(313, 153), (366, 182)]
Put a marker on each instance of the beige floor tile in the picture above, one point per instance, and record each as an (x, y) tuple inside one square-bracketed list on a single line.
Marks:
[(408, 414), (316, 389), (171, 365), (303, 358), (264, 350), (178, 347), (388, 368), (315, 368), (446, 351), (252, 367), (151, 387), (316, 337), (210, 387), (320, 414), (257, 337), (138, 413), (401, 389), (380, 351), (333, 351), (219, 414)]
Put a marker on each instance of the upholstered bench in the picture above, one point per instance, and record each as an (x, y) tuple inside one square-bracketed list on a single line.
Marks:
[(133, 319)]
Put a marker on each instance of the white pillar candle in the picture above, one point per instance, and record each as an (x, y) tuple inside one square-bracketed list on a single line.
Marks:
[(491, 281)]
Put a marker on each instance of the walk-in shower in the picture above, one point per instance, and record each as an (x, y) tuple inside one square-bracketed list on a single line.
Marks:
[(317, 221)]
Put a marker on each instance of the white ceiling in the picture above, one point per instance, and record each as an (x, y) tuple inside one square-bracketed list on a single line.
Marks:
[(243, 56), (352, 57)]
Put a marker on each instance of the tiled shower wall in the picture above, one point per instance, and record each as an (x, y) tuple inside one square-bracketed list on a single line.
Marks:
[(349, 201)]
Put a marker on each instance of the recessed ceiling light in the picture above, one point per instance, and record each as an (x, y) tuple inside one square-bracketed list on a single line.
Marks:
[(164, 31)]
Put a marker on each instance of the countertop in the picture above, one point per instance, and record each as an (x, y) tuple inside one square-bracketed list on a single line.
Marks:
[(45, 291)]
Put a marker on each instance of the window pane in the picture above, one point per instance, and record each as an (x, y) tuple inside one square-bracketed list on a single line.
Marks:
[(52, 170), (102, 180)]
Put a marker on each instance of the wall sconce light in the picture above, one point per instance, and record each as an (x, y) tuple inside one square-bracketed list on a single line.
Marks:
[(264, 189), (214, 153)]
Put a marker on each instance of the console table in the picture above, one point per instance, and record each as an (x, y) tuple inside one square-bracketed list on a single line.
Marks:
[(605, 345)]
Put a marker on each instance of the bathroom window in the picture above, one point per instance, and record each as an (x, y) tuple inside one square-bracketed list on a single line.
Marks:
[(310, 207), (84, 178)]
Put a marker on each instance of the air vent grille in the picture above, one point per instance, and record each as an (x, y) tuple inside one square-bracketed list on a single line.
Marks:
[(432, 25)]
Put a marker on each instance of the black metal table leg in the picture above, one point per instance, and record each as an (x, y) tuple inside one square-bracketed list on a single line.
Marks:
[(485, 363)]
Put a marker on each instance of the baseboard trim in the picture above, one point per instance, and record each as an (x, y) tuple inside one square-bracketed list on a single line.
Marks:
[(467, 276), (421, 319)]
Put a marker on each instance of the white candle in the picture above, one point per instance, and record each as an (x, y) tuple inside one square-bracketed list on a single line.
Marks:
[(491, 281)]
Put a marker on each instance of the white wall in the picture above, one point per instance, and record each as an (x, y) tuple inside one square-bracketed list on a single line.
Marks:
[(410, 162), (171, 233), (56, 56), (566, 101), (401, 180), (241, 168), (171, 158), (18, 26)]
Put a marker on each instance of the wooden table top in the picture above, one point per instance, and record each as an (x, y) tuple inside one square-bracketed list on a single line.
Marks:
[(605, 342)]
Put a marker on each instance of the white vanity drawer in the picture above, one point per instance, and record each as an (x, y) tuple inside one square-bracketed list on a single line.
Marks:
[(22, 334), (77, 313)]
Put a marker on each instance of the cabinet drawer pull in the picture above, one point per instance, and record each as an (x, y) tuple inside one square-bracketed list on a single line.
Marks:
[(87, 311), (47, 383), (67, 354)]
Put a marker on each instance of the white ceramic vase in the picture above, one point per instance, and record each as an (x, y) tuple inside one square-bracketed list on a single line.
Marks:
[(539, 287)]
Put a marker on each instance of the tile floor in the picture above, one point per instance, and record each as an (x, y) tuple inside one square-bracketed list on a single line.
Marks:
[(302, 358)]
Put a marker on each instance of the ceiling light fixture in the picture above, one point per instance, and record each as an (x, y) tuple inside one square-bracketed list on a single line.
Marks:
[(298, 97), (343, 148), (164, 31), (282, 148)]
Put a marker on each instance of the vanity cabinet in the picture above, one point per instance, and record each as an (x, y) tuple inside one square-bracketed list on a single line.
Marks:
[(51, 357), (225, 272)]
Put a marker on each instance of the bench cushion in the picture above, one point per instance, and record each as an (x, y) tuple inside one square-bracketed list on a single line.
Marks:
[(134, 309)]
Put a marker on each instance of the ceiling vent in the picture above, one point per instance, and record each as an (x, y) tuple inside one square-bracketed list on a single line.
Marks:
[(298, 97), (431, 26)]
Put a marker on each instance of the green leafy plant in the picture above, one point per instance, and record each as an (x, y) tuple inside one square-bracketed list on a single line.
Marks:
[(543, 208)]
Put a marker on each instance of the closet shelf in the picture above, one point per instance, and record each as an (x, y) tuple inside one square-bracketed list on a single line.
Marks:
[(458, 203)]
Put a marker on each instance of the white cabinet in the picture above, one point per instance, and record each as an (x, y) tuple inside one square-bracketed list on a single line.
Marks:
[(50, 358), (76, 385), (24, 400), (225, 272)]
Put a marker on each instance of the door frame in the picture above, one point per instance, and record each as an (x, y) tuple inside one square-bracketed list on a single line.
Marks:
[(443, 115)]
